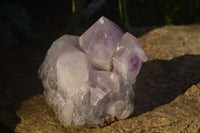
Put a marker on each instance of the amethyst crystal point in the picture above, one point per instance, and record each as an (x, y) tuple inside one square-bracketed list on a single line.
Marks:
[(128, 57), (100, 41), (89, 78)]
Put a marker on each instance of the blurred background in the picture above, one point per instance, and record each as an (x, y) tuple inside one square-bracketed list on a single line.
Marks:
[(30, 22), (28, 28)]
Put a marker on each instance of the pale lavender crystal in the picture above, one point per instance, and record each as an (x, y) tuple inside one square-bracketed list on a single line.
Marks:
[(128, 57), (89, 78), (111, 92), (100, 42)]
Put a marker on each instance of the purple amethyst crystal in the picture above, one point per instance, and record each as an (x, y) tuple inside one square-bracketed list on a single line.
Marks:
[(89, 78), (100, 42), (128, 58)]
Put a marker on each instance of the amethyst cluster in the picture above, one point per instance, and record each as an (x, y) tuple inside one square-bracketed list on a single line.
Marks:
[(88, 79)]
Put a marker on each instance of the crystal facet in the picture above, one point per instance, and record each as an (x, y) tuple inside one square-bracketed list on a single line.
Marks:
[(88, 79), (128, 57), (100, 41)]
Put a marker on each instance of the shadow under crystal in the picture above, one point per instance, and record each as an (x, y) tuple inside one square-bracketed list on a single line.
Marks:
[(161, 81)]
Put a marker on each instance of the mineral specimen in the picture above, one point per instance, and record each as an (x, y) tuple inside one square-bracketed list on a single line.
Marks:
[(88, 79)]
